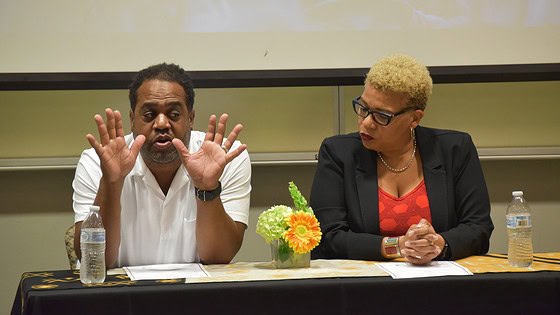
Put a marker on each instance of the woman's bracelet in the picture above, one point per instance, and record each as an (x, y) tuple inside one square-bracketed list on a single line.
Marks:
[(392, 249)]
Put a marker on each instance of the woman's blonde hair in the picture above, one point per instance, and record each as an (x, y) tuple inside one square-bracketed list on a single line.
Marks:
[(402, 74)]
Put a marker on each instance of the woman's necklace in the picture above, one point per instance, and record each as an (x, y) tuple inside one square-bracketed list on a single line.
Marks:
[(400, 170)]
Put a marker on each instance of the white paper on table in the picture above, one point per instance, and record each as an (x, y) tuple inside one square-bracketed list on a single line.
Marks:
[(405, 270), (116, 272), (166, 271)]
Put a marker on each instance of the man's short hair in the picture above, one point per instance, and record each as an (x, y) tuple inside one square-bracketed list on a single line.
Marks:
[(164, 71), (402, 74)]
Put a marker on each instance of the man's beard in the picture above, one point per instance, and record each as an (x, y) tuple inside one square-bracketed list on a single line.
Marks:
[(161, 157)]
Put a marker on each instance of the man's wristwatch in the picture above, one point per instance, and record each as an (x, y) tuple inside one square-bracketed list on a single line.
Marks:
[(207, 195)]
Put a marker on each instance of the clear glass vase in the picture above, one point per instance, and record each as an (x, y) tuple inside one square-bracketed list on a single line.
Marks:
[(284, 257)]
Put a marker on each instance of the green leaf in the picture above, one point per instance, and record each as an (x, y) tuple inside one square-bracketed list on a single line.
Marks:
[(284, 251)]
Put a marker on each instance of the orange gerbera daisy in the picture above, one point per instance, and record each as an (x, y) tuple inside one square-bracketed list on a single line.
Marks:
[(303, 233)]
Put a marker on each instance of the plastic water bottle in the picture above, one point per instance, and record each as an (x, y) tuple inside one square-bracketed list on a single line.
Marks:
[(518, 221), (92, 245)]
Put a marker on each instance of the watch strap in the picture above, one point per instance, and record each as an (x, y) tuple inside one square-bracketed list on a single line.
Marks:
[(207, 195)]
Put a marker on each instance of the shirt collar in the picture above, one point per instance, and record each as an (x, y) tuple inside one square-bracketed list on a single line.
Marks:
[(140, 168)]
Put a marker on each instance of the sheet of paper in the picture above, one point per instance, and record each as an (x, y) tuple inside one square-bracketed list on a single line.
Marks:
[(115, 272), (166, 271), (405, 270)]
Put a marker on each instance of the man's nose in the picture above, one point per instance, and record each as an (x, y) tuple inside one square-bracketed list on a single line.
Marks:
[(161, 122)]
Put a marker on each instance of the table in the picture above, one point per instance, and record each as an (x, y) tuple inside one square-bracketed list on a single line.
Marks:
[(491, 292)]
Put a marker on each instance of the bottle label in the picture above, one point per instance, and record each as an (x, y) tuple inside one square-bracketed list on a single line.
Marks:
[(515, 221), (92, 236)]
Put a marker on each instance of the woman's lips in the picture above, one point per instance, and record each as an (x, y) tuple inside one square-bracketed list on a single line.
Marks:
[(365, 136)]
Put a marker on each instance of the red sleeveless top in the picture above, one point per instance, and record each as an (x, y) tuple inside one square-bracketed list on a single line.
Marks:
[(396, 215)]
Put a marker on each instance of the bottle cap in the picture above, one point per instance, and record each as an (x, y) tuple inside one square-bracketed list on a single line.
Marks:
[(517, 193), (93, 208)]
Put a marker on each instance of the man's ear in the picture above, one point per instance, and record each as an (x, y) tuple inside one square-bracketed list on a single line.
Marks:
[(191, 119), (131, 114)]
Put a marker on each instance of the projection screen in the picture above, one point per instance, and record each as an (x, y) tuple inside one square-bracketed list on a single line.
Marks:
[(127, 35)]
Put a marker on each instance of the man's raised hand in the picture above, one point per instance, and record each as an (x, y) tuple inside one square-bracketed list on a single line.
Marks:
[(207, 164), (117, 159)]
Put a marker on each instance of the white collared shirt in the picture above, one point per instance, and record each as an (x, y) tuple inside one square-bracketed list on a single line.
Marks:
[(158, 228)]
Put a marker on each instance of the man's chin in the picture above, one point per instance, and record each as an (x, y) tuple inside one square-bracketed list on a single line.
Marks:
[(160, 157)]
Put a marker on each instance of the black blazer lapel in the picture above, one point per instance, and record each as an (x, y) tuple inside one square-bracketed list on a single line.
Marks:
[(366, 182), (435, 179)]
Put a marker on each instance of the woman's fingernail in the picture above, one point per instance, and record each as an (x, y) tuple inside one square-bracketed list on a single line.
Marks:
[(407, 244)]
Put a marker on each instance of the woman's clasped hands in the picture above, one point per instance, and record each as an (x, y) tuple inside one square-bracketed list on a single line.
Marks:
[(421, 244)]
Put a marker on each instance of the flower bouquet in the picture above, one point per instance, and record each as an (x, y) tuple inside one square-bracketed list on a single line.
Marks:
[(291, 233)]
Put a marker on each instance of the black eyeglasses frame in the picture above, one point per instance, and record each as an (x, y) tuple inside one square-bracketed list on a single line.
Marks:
[(389, 116)]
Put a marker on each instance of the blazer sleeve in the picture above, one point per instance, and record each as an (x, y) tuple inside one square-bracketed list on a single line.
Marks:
[(470, 235), (343, 236)]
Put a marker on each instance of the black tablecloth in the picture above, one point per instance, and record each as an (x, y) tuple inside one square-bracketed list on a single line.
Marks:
[(495, 293)]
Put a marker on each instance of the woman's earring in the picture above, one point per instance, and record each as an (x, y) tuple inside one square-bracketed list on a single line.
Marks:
[(412, 133)]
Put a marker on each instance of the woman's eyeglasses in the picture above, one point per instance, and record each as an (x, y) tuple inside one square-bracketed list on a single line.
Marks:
[(381, 118)]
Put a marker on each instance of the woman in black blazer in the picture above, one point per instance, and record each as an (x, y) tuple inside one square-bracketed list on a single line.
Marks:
[(395, 188)]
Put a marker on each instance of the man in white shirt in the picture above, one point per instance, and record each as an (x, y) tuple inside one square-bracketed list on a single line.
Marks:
[(184, 198)]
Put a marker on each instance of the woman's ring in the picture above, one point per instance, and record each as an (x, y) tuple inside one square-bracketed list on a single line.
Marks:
[(225, 148)]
